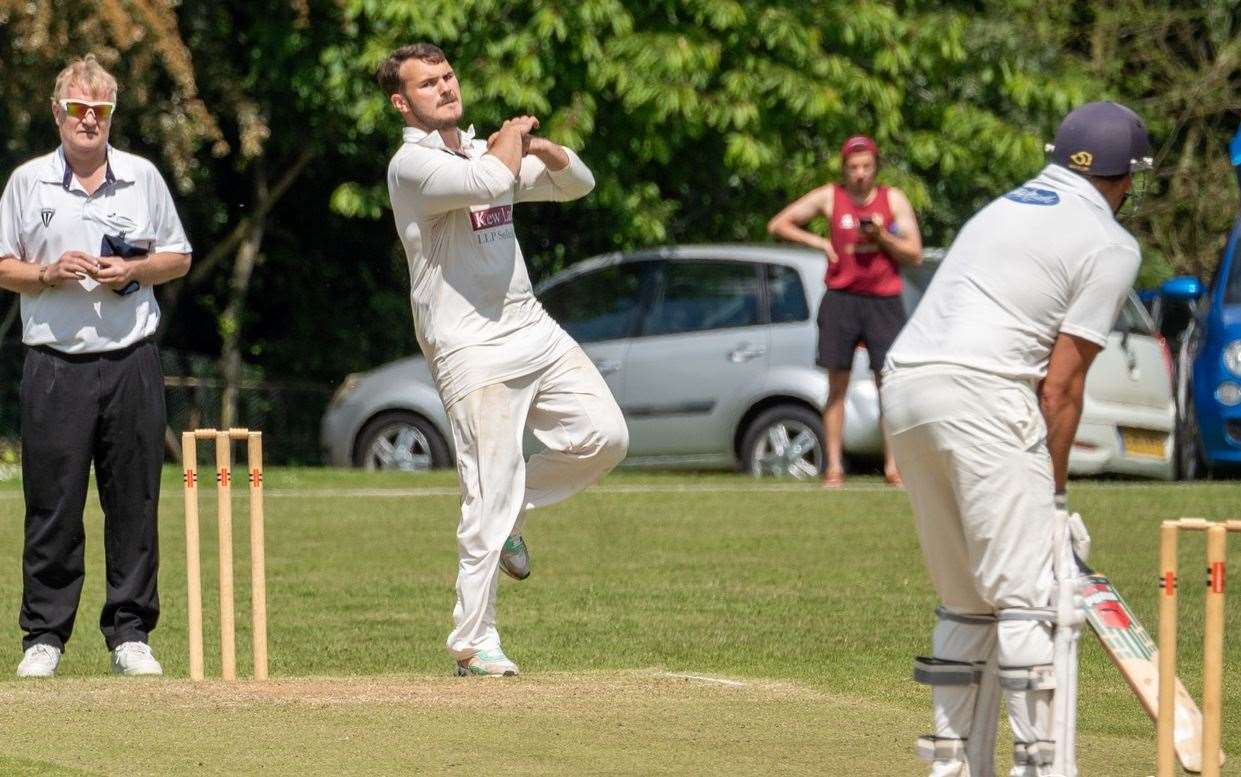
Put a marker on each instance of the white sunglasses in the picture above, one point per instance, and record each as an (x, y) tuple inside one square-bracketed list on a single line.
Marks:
[(79, 108)]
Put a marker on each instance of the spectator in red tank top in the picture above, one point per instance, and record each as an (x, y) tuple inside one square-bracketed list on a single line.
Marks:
[(872, 230)]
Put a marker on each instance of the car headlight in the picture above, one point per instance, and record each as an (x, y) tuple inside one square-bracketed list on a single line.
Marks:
[(1232, 357), (347, 387), (1228, 393)]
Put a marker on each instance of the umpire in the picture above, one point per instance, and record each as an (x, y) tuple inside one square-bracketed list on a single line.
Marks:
[(86, 232)]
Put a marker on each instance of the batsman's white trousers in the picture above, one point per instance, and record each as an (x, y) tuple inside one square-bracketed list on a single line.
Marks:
[(971, 448), (571, 411)]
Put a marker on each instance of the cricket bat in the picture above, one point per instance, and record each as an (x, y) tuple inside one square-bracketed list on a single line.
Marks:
[(1133, 651)]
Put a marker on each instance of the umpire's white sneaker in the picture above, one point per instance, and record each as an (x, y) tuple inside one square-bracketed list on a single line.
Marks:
[(515, 558), (39, 661), (487, 663), (134, 659)]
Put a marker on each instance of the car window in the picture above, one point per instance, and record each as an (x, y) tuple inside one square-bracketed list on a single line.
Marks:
[(1133, 318), (1232, 292), (788, 298), (701, 295), (601, 305)]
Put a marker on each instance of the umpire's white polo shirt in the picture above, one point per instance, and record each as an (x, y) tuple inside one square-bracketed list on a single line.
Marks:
[(45, 212), (1048, 257)]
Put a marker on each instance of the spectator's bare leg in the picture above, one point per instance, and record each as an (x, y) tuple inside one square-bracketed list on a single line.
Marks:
[(890, 472), (833, 426)]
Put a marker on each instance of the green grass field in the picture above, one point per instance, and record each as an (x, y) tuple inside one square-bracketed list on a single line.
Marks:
[(675, 624)]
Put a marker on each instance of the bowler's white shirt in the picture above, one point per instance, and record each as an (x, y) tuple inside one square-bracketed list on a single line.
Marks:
[(1048, 257), (45, 212), (475, 315)]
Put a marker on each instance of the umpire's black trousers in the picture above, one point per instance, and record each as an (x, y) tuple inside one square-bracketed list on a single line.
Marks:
[(107, 409)]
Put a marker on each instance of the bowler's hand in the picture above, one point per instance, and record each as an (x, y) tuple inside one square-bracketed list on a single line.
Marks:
[(524, 125), (540, 146), (71, 266), (114, 272), (830, 252)]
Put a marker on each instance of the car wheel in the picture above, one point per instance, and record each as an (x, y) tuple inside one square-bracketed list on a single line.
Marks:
[(400, 441), (1190, 463), (784, 441)]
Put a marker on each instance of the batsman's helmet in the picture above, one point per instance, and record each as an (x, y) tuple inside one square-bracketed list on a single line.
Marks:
[(1102, 138)]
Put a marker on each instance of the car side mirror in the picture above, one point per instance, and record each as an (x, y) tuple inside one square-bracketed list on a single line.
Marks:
[(1186, 288)]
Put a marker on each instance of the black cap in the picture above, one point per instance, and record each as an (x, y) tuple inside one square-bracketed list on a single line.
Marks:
[(1102, 138)]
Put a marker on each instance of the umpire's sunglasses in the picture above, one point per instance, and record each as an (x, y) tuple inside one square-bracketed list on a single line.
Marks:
[(79, 108)]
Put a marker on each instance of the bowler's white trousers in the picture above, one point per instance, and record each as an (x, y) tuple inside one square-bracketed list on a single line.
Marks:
[(971, 448), (571, 411)]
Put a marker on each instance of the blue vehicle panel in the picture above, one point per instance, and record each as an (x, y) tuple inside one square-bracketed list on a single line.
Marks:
[(1212, 416)]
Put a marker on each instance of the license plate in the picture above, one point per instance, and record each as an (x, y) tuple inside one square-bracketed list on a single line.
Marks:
[(1143, 443)]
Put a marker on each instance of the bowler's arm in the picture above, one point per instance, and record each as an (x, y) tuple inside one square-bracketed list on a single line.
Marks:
[(1060, 398), (438, 181), (552, 173)]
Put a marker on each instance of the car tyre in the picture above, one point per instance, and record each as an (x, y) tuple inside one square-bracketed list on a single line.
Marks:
[(400, 441), (1190, 462), (784, 441)]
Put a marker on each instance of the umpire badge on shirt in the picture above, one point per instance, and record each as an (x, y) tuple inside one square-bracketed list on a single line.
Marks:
[(46, 214)]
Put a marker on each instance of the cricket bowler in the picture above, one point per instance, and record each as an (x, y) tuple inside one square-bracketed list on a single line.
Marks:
[(982, 393), (500, 362)]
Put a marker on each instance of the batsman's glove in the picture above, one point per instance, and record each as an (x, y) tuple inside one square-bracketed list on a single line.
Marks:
[(1079, 537)]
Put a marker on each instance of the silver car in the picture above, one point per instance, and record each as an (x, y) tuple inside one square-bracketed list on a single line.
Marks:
[(710, 352)]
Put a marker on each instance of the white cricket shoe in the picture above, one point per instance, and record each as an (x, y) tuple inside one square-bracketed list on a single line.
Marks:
[(487, 663), (135, 659), (515, 558), (39, 661)]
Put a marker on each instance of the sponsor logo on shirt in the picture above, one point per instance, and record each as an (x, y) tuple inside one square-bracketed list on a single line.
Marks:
[(846, 221), (495, 216), (1028, 195), (46, 214)]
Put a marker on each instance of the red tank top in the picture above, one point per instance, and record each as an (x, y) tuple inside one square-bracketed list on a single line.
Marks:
[(862, 268)]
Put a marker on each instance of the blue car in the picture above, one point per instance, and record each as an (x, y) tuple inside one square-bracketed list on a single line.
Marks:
[(1209, 367)]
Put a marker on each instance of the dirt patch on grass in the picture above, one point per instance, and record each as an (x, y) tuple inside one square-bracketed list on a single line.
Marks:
[(547, 690)]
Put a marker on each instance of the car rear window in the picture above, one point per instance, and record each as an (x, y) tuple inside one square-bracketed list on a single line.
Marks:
[(697, 296), (601, 305), (788, 298), (1133, 318)]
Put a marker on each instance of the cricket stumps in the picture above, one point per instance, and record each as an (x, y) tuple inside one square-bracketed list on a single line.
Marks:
[(224, 512), (1213, 641)]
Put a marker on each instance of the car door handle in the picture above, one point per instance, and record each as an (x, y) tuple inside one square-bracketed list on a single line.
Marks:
[(745, 352), (607, 366)]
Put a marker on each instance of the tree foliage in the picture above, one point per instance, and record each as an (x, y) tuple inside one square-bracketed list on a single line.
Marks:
[(1179, 63), (700, 119)]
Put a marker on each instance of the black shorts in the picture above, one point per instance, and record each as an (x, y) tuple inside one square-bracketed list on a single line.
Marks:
[(848, 319)]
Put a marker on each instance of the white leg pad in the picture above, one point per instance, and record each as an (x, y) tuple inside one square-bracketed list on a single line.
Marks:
[(963, 645), (1028, 678)]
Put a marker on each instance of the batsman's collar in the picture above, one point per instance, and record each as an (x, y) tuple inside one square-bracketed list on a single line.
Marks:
[(1066, 180), (434, 139)]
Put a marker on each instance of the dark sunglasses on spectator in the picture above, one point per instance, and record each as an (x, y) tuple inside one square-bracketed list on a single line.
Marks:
[(79, 108)]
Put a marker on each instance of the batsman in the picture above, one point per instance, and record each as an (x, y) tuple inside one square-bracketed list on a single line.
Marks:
[(982, 392)]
